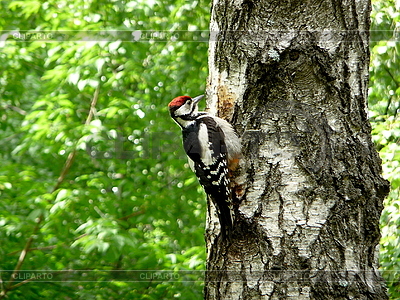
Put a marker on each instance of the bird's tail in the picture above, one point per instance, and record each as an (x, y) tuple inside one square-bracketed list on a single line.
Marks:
[(223, 204)]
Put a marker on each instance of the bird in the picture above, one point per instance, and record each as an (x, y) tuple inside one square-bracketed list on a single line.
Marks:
[(213, 149)]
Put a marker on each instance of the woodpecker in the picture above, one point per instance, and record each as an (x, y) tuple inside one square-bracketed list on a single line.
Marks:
[(213, 148)]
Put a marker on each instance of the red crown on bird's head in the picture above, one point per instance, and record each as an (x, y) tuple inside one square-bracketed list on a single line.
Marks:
[(178, 101)]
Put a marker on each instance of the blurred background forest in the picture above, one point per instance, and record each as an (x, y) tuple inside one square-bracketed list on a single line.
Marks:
[(92, 170)]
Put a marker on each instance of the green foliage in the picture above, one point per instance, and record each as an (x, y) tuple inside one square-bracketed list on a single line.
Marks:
[(384, 107), (127, 202)]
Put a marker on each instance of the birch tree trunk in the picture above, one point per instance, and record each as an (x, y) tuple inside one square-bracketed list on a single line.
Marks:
[(292, 77)]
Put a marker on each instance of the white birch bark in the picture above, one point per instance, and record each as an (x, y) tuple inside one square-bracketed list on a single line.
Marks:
[(292, 77)]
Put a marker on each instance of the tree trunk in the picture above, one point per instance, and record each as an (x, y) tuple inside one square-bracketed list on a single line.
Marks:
[(292, 78)]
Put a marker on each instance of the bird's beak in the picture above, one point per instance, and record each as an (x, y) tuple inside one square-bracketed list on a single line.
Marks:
[(197, 99)]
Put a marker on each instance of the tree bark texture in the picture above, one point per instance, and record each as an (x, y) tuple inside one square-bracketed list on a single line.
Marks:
[(292, 76)]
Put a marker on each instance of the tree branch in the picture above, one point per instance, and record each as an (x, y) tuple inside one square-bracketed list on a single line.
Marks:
[(136, 213), (21, 258), (16, 109), (60, 180), (35, 249), (72, 155), (390, 98)]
